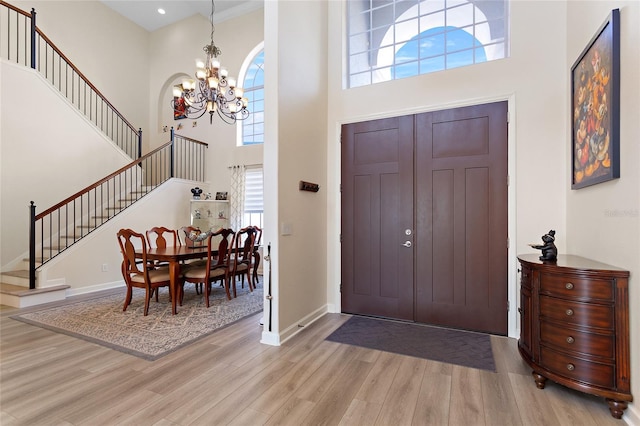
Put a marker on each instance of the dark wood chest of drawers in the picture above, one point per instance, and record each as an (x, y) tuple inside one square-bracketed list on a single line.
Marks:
[(574, 326)]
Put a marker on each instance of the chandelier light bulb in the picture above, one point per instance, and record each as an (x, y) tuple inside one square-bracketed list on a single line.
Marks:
[(232, 82), (239, 92)]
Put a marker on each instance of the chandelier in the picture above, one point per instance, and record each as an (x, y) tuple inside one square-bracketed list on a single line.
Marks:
[(212, 91)]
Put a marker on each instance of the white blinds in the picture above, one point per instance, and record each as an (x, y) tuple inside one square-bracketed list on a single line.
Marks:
[(253, 190)]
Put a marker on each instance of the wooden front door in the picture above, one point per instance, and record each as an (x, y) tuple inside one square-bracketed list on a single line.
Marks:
[(446, 223)]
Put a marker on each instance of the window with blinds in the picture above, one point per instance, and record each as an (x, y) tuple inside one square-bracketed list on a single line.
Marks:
[(253, 197)]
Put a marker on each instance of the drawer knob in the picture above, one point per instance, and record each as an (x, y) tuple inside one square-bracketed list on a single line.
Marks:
[(568, 286), (570, 340), (569, 312), (571, 367)]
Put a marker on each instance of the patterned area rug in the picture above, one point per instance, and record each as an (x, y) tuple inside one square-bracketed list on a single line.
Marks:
[(458, 347), (101, 320)]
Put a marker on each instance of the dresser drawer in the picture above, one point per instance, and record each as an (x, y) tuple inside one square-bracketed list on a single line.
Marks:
[(577, 341), (593, 373), (577, 313), (576, 287)]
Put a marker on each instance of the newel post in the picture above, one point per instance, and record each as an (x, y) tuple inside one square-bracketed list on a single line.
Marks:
[(32, 246), (173, 145), (33, 38), (139, 142)]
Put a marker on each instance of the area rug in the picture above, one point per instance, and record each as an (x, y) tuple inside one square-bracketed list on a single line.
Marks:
[(458, 347), (102, 321)]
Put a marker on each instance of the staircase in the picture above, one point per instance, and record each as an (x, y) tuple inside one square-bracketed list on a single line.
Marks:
[(59, 227), (14, 285)]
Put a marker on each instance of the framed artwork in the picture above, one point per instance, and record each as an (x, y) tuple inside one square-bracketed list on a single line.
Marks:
[(595, 108), (179, 106), (221, 195)]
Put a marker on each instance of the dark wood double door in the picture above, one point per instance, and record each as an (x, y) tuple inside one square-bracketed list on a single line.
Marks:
[(424, 218)]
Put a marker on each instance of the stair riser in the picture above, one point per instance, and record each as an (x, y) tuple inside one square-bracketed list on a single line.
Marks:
[(8, 279), (32, 300)]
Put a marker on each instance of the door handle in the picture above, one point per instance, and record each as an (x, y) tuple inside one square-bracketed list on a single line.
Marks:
[(407, 244)]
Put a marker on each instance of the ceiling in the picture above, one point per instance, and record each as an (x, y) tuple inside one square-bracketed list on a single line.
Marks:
[(145, 12)]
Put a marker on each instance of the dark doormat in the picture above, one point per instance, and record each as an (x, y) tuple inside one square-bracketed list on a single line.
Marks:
[(458, 347)]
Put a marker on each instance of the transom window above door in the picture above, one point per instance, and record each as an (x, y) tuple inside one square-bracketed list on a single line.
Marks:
[(393, 39)]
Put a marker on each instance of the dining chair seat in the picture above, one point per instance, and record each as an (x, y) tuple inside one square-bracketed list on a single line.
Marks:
[(156, 275)]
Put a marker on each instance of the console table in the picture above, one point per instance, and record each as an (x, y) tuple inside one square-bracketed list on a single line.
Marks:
[(574, 327)]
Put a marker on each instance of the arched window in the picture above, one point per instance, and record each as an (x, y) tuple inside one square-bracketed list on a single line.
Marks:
[(252, 130), (392, 39)]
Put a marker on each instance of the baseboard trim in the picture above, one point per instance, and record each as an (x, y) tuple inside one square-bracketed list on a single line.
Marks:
[(632, 415), (302, 323)]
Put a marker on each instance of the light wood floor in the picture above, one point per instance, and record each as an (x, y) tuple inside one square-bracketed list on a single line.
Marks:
[(230, 378)]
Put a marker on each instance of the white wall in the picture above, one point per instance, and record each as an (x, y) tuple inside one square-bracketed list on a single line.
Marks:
[(37, 151), (603, 221), (173, 53), (97, 39), (295, 138)]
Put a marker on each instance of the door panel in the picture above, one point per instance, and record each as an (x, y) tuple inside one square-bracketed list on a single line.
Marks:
[(461, 226), (377, 202)]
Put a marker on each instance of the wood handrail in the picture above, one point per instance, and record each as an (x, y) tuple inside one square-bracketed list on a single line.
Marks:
[(84, 78), (101, 181), (193, 140), (15, 9)]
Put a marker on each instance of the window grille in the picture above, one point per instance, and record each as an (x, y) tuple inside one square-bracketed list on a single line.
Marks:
[(393, 39)]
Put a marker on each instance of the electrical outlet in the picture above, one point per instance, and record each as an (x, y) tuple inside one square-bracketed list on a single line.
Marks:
[(105, 267)]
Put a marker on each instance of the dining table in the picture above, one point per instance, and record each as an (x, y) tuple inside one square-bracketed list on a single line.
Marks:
[(174, 255)]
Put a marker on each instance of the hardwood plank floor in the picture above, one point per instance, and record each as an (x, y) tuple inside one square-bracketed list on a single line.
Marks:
[(229, 378)]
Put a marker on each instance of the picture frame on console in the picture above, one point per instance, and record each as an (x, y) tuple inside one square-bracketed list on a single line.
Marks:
[(595, 108)]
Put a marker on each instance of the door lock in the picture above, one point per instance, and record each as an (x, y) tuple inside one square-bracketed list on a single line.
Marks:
[(407, 244)]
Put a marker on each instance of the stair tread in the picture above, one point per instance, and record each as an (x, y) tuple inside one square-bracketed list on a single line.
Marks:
[(17, 290), (23, 273)]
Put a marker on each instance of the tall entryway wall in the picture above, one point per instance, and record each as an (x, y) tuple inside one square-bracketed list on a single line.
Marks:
[(424, 218)]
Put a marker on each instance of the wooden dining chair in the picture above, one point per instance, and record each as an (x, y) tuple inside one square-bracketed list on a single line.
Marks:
[(187, 233), (242, 259), (217, 265), (185, 237), (161, 237), (256, 255), (140, 275)]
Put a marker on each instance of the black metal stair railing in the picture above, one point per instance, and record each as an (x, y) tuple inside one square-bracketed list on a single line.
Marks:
[(22, 42), (59, 227)]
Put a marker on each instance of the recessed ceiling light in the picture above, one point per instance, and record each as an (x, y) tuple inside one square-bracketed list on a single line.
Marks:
[(161, 11)]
